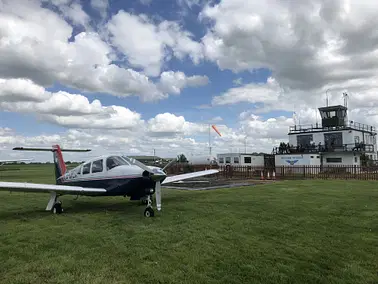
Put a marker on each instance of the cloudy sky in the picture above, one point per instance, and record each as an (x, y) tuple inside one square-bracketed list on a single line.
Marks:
[(133, 76)]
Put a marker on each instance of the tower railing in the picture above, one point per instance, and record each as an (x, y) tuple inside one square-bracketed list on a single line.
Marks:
[(354, 147), (318, 127)]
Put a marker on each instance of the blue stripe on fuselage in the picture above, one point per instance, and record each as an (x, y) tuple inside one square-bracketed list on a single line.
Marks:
[(130, 186)]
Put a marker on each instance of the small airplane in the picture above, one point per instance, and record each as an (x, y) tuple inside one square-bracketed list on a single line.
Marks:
[(107, 175), (2, 162)]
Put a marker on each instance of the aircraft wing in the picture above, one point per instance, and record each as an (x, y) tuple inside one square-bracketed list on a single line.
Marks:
[(189, 175), (37, 187), (12, 161)]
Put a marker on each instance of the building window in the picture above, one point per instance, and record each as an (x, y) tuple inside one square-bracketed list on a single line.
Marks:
[(236, 160), (334, 160), (228, 160), (304, 140), (97, 166), (355, 159), (356, 139), (247, 160), (221, 160), (312, 157), (86, 168), (333, 139), (317, 157)]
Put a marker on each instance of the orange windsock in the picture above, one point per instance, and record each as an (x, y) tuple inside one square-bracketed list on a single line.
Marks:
[(216, 130)]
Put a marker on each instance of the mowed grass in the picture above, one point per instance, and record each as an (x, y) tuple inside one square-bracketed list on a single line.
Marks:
[(286, 232)]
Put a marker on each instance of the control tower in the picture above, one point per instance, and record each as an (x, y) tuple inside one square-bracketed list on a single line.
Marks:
[(336, 141)]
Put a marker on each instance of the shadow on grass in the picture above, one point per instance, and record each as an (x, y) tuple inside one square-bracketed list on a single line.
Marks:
[(72, 207)]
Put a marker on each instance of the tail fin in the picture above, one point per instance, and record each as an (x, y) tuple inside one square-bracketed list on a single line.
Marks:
[(60, 166)]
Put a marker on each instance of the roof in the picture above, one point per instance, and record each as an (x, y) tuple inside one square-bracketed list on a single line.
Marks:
[(330, 108), (250, 154)]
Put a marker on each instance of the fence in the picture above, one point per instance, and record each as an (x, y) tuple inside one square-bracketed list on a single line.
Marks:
[(283, 172)]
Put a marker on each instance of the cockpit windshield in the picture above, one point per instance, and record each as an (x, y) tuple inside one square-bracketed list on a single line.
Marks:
[(115, 161), (127, 159)]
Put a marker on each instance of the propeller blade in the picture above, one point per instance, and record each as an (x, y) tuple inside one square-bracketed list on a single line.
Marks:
[(169, 164), (158, 195), (139, 164)]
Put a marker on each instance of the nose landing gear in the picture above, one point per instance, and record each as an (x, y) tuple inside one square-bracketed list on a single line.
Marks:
[(149, 212)]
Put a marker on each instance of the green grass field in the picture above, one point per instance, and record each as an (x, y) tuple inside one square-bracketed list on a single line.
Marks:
[(286, 232)]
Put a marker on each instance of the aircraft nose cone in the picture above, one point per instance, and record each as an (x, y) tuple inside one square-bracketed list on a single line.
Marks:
[(158, 174)]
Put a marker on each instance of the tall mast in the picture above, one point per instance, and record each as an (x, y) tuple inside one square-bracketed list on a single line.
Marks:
[(209, 139)]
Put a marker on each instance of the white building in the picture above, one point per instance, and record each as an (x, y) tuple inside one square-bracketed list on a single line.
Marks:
[(336, 141), (241, 159)]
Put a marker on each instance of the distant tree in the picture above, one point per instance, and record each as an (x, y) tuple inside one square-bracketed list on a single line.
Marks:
[(182, 159), (366, 161)]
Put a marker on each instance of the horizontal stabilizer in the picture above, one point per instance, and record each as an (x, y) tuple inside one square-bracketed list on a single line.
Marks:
[(37, 187), (49, 149), (189, 175)]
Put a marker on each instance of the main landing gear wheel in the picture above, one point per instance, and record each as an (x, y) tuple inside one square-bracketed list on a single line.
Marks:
[(57, 208), (149, 212)]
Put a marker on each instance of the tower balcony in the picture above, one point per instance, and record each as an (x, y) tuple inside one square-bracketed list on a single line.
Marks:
[(355, 147), (317, 127)]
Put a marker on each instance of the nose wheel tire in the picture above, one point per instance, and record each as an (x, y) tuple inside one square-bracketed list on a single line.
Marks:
[(149, 212), (57, 208)]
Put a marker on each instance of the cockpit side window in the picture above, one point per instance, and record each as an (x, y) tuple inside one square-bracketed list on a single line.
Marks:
[(97, 166), (114, 161), (86, 168)]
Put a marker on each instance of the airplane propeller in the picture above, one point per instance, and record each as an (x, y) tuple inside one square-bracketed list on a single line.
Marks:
[(169, 164), (155, 176), (139, 164)]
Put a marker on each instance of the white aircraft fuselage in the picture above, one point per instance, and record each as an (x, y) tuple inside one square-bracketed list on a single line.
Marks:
[(107, 175)]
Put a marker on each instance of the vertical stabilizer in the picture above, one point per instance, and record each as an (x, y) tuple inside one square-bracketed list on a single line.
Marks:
[(60, 166)]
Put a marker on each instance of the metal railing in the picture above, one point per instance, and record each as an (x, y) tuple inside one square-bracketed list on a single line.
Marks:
[(344, 172), (357, 147), (318, 127)]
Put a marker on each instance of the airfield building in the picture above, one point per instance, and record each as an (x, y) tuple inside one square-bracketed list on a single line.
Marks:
[(240, 159), (336, 141), (245, 159)]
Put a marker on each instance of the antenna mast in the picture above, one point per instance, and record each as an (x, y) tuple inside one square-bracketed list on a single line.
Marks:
[(327, 97), (245, 144), (345, 95), (209, 139)]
